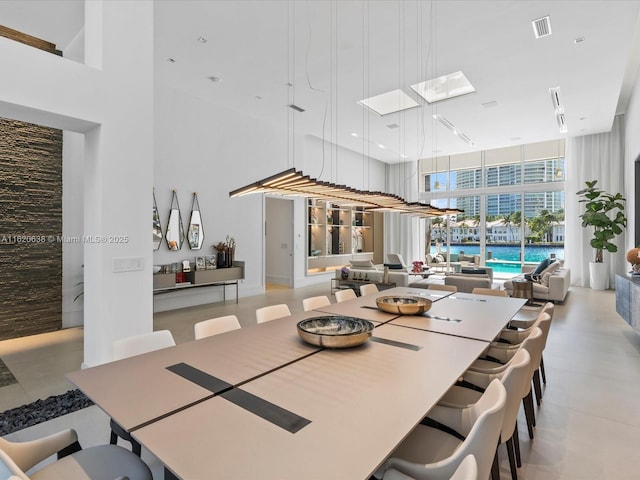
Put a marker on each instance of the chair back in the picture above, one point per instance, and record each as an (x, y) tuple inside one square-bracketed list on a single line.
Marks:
[(446, 288), (532, 344), (139, 344), (315, 302), (215, 326), (468, 469), (368, 289), (344, 295), (514, 380), (266, 314), (489, 291), (482, 439)]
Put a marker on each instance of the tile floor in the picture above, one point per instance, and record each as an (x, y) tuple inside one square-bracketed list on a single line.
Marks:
[(588, 426)]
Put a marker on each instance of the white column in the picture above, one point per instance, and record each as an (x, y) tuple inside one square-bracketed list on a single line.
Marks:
[(118, 177)]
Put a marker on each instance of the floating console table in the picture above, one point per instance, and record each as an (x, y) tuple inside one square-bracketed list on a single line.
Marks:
[(220, 277)]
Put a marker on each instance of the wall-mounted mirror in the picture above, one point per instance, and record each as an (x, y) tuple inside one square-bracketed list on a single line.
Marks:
[(157, 228), (195, 233), (175, 230)]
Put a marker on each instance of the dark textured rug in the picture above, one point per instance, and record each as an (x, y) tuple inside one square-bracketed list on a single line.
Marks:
[(6, 377), (42, 410)]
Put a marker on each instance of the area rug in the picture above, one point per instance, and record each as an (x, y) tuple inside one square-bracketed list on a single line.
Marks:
[(6, 377), (42, 410)]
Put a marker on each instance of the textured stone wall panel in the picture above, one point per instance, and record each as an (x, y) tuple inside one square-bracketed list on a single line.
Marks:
[(30, 224)]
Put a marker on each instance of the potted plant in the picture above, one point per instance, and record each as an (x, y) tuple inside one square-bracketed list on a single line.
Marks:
[(605, 213)]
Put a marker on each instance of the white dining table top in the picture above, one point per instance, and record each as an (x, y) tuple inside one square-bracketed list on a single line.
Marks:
[(140, 389), (360, 402), (481, 317), (361, 307)]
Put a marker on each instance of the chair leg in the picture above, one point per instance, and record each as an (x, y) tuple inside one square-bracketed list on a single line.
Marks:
[(537, 387), (118, 431), (544, 375), (512, 460), (495, 467), (113, 440), (527, 403), (516, 446)]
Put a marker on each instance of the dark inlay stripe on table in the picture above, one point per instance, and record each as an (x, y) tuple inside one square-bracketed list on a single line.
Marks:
[(393, 343), (272, 413), (211, 383)]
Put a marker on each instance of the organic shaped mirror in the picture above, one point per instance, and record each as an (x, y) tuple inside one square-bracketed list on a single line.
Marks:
[(157, 228), (195, 233), (175, 230)]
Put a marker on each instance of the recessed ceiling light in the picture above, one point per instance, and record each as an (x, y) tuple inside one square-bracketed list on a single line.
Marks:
[(515, 139), (381, 146), (258, 97), (579, 40), (444, 87), (171, 60), (354, 134), (202, 40), (393, 125), (389, 102), (215, 79), (402, 155), (582, 118)]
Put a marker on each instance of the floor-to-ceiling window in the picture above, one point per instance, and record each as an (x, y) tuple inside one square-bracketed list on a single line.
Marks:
[(513, 202)]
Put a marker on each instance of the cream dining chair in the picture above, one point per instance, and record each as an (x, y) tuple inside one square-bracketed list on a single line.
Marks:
[(468, 470), (128, 347), (310, 303), (446, 288), (489, 291), (99, 462), (266, 314), (345, 294), (215, 326), (429, 451), (514, 378), (368, 289)]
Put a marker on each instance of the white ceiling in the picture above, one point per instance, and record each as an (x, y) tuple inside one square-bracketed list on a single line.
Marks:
[(338, 52)]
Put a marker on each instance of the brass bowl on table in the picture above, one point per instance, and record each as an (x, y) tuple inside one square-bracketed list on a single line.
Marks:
[(403, 305), (335, 331)]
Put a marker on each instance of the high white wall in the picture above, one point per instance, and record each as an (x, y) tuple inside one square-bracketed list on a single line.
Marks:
[(109, 100)]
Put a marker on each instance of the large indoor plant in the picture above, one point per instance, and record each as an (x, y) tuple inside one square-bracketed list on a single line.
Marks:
[(605, 213)]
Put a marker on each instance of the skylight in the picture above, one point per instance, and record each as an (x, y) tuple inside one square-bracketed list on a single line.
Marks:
[(441, 88), (390, 102)]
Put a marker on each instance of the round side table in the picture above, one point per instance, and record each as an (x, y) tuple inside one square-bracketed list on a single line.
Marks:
[(523, 289)]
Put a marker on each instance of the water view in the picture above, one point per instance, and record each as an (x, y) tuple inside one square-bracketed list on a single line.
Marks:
[(505, 259)]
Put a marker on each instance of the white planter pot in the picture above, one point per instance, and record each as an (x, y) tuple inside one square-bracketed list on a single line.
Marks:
[(598, 276)]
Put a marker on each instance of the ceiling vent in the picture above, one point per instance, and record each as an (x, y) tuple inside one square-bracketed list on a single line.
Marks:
[(542, 27), (296, 108), (562, 123), (556, 100)]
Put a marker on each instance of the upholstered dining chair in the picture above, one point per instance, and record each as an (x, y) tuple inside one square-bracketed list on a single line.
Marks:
[(514, 378), (427, 450), (310, 303), (468, 470), (446, 288), (215, 326), (549, 309), (103, 461), (368, 289), (503, 353), (344, 295), (266, 314), (489, 291), (128, 347)]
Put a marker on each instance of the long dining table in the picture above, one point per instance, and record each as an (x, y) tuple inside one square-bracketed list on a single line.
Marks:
[(260, 403)]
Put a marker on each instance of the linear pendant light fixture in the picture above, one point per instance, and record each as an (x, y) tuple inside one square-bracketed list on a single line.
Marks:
[(294, 183)]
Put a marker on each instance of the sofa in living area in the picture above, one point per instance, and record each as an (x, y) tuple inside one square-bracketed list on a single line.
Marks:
[(368, 271), (551, 280)]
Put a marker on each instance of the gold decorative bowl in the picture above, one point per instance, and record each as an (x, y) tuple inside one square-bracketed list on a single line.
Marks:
[(403, 305), (335, 331)]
